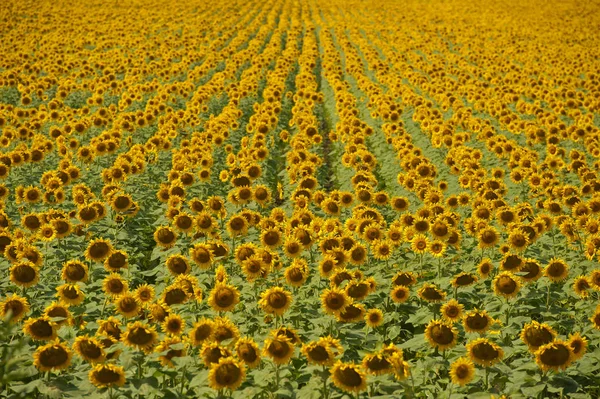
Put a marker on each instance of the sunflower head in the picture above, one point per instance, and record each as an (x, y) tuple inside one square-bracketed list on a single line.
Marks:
[(556, 355), (107, 375), (53, 356), (226, 373), (462, 371), (348, 377), (441, 335), (484, 352), (537, 334)]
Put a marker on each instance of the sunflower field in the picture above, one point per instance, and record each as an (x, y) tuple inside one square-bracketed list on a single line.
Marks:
[(299, 199)]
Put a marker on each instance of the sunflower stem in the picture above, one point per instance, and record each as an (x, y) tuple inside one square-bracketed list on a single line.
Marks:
[(548, 297), (276, 377), (325, 390), (487, 374), (450, 390)]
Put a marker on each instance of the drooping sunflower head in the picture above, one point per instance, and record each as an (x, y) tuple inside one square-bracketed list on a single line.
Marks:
[(90, 349), (578, 345), (431, 293)]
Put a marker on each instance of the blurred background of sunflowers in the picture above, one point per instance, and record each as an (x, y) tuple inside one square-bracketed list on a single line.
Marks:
[(299, 199)]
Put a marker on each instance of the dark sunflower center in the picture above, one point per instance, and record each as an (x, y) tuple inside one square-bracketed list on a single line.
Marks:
[(318, 353), (485, 351), (442, 335), (42, 329), (53, 356), (377, 363), (140, 336), (24, 273), (538, 336), (349, 377), (506, 285), (224, 297), (477, 321), (90, 350), (107, 376), (227, 374), (277, 300), (556, 355)]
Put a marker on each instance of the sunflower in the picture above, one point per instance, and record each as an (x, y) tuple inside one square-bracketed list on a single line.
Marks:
[(271, 238), (441, 335), (594, 278), (24, 274), (140, 336), (531, 270), (452, 311), (477, 321), (165, 236), (430, 293), (581, 286), (144, 294), (556, 355), (114, 285), (358, 254), (292, 247), (578, 345), (70, 294), (464, 279), (318, 352), (202, 255), (334, 300), (110, 327), (484, 352), (419, 243), (358, 290), (254, 267), (400, 294), (41, 329), (90, 349), (437, 248), (297, 273), (595, 319), (98, 250), (512, 263), (376, 364), (327, 265), (58, 313), (47, 232), (227, 373), (351, 313), (535, 335), (348, 377), (506, 285), (399, 365), (53, 356), (127, 305), (485, 267), (121, 202), (173, 324), (488, 237), (237, 225), (462, 371), (248, 352), (275, 300), (557, 270), (223, 297), (202, 331), (177, 264), (116, 261), (171, 347), (382, 249), (107, 375), (279, 348), (518, 240), (404, 278), (74, 271), (225, 330), (175, 294)]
